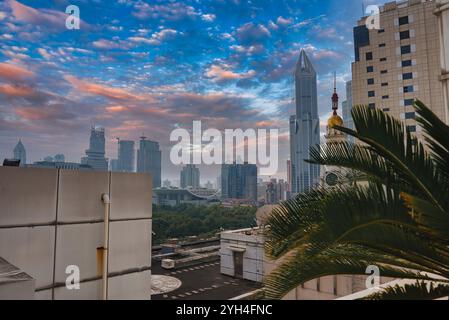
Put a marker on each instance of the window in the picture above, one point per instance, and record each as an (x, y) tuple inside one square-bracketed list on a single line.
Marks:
[(370, 69), (381, 31), (382, 45), (406, 63), (409, 102), (410, 115), (372, 106), (386, 97), (403, 20), (407, 76), (371, 94), (404, 35), (370, 81), (406, 49), (386, 109), (384, 72), (383, 59), (408, 89), (369, 56), (411, 128), (384, 84)]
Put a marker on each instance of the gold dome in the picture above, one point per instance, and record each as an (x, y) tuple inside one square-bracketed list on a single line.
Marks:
[(335, 120)]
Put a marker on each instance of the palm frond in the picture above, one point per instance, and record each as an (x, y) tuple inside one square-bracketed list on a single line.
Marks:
[(421, 290)]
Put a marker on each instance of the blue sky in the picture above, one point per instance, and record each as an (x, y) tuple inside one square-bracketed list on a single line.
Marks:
[(150, 66)]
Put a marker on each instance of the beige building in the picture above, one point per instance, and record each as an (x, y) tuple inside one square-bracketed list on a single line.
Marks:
[(400, 61), (442, 13), (52, 227)]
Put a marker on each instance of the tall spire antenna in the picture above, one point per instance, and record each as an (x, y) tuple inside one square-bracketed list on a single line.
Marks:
[(335, 95)]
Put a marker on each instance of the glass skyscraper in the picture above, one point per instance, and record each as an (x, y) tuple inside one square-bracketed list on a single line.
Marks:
[(304, 127), (149, 160), (239, 181), (96, 152)]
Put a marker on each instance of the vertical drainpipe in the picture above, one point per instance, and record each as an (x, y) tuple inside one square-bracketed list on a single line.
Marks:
[(106, 201)]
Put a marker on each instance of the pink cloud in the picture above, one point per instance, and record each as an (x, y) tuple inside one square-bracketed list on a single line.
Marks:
[(220, 73), (13, 72), (16, 91)]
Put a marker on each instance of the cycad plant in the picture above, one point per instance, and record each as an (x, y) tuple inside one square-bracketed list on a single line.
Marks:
[(396, 219)]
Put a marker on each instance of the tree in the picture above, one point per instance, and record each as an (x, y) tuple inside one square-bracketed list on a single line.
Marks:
[(398, 219)]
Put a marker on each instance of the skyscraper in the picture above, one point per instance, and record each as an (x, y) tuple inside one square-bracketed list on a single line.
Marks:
[(190, 177), (20, 153), (239, 181), (126, 156), (399, 62), (95, 154), (442, 13), (304, 127), (149, 160), (347, 108)]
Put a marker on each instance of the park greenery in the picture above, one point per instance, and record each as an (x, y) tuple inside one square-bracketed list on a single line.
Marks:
[(185, 221)]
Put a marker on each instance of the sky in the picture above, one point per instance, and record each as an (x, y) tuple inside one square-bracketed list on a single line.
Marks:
[(148, 67)]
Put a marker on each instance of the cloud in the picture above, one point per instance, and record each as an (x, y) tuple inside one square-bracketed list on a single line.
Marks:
[(44, 53), (108, 44), (251, 33), (16, 91), (91, 88), (283, 22), (13, 72), (209, 17), (171, 11), (156, 38), (222, 73), (52, 19)]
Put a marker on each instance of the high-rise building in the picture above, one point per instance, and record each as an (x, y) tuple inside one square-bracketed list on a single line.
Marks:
[(442, 13), (126, 156), (166, 184), (347, 108), (190, 177), (149, 160), (399, 62), (20, 153), (239, 181), (276, 191), (96, 152), (304, 127), (113, 165)]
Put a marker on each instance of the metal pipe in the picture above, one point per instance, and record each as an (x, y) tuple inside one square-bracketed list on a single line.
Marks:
[(106, 201)]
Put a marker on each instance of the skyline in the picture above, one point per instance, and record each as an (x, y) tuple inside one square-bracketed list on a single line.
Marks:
[(148, 67)]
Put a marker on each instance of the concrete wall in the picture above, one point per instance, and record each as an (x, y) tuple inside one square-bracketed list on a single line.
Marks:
[(442, 13), (50, 219), (253, 257)]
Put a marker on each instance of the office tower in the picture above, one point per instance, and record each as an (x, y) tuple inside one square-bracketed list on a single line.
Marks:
[(304, 127), (126, 156), (149, 160), (442, 13), (399, 62), (347, 108), (20, 153), (59, 158), (190, 177), (239, 181), (95, 154), (289, 174), (113, 165), (276, 191)]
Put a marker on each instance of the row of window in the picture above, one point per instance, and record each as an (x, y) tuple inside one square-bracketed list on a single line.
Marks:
[(405, 63), (406, 49)]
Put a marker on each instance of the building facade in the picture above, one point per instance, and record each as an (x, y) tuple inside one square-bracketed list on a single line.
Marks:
[(190, 177), (149, 160), (53, 222), (239, 181), (399, 62), (20, 153), (304, 127), (126, 156), (442, 13), (95, 155)]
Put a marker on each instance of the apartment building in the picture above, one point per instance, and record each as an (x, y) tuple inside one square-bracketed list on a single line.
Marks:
[(400, 61)]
